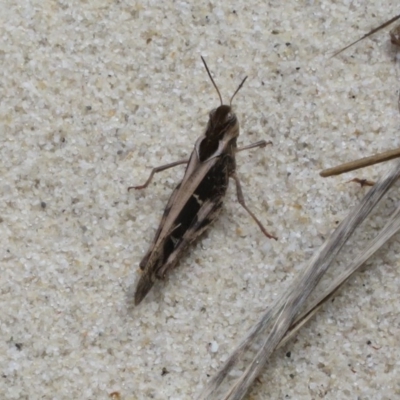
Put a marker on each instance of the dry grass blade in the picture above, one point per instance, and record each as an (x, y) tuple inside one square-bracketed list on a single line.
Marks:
[(381, 157), (384, 25), (390, 229), (361, 163), (253, 352)]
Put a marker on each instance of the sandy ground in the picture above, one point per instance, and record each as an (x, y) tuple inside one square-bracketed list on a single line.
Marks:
[(94, 94)]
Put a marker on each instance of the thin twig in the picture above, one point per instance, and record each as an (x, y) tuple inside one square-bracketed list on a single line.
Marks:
[(384, 25), (361, 163)]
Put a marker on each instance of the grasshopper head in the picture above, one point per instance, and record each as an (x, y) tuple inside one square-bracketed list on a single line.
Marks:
[(222, 120)]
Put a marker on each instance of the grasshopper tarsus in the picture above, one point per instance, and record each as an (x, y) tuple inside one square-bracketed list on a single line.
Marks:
[(138, 187), (261, 144), (156, 170), (240, 198)]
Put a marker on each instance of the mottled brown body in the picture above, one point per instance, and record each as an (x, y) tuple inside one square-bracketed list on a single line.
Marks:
[(198, 199)]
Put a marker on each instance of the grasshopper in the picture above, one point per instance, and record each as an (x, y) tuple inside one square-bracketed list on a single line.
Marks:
[(198, 199)]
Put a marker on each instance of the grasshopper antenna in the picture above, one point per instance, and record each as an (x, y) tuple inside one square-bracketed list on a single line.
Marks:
[(212, 80), (234, 94)]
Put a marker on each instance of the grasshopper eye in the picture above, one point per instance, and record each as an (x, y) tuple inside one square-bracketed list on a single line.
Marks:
[(230, 117)]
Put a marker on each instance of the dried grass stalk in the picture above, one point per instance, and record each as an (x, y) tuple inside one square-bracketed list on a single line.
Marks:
[(390, 229), (279, 323)]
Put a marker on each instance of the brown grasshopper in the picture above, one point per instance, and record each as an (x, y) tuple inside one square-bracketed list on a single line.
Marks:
[(197, 200)]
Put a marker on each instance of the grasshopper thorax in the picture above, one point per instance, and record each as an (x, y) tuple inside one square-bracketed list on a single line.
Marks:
[(222, 126), (221, 120)]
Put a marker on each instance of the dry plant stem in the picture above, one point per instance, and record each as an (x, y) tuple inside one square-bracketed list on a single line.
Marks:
[(361, 163), (266, 335), (384, 25), (390, 229)]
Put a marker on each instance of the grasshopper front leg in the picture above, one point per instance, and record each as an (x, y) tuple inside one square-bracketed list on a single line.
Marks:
[(158, 169)]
